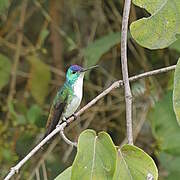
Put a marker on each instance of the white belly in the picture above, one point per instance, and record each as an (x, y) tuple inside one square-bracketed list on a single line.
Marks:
[(76, 100), (72, 107)]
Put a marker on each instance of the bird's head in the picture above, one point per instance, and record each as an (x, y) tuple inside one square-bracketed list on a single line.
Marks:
[(76, 72)]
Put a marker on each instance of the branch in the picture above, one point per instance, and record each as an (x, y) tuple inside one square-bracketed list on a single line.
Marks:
[(128, 95), (151, 73), (66, 139), (116, 84)]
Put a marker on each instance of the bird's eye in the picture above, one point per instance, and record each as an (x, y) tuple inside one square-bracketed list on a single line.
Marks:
[(74, 72)]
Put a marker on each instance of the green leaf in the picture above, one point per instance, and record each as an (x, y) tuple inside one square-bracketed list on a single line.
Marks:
[(65, 175), (160, 29), (40, 77), (5, 70), (96, 157), (134, 163), (176, 91), (96, 49), (164, 125)]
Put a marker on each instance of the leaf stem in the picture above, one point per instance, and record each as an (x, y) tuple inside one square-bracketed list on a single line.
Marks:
[(128, 94)]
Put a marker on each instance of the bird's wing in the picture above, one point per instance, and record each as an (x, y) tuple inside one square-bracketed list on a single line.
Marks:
[(56, 110)]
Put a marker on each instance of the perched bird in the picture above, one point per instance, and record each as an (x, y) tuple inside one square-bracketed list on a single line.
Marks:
[(68, 97)]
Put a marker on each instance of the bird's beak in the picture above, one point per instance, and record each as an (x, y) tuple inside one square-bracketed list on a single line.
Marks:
[(89, 68)]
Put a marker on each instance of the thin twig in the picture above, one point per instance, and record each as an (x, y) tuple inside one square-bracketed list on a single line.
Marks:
[(116, 84), (140, 123), (128, 95), (44, 171), (66, 139)]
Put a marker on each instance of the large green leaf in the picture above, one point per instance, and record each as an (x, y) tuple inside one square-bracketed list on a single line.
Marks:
[(5, 70), (96, 49), (160, 29), (164, 125), (96, 157), (134, 163), (176, 91), (40, 77), (65, 175)]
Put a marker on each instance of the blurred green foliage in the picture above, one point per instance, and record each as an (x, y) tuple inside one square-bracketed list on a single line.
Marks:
[(167, 133), (38, 86), (3, 6), (165, 129), (96, 49), (57, 34)]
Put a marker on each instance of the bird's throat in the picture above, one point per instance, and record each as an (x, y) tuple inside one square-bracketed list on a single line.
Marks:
[(78, 86)]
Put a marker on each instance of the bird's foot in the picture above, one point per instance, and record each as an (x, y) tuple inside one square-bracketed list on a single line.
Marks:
[(74, 115), (64, 119)]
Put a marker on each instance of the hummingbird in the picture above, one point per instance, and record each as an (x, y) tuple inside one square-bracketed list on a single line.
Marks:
[(68, 97)]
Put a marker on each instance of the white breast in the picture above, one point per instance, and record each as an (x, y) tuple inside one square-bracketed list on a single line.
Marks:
[(76, 100), (78, 87)]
